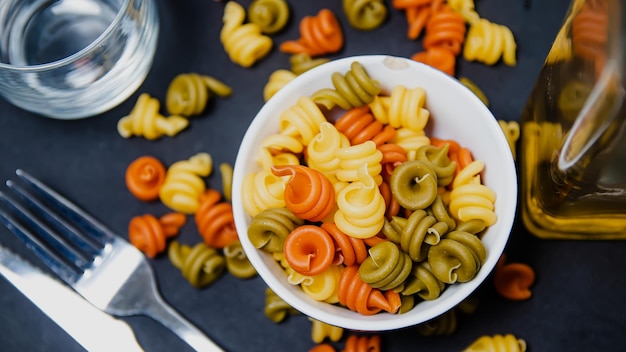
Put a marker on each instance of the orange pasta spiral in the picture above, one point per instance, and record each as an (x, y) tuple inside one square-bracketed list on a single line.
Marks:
[(393, 155), (144, 177), (445, 29), (150, 234), (361, 297), (350, 250), (590, 31), (440, 58), (359, 125), (319, 35), (215, 220), (308, 193), (513, 280), (356, 343)]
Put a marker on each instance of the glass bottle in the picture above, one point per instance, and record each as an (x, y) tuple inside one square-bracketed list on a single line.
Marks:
[(573, 146)]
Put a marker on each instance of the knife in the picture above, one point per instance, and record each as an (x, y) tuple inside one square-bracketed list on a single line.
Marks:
[(92, 328)]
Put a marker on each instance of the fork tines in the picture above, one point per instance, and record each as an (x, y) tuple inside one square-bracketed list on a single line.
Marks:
[(63, 236)]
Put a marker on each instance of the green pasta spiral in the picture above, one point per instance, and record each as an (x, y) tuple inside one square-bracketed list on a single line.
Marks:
[(442, 325), (414, 184), (303, 62), (439, 210), (386, 267), (423, 283), (365, 14), (416, 233), (237, 262), (276, 309), (269, 228), (270, 15), (354, 89), (200, 265), (457, 257), (439, 161)]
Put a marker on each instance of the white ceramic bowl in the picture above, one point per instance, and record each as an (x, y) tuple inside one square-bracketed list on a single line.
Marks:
[(456, 114)]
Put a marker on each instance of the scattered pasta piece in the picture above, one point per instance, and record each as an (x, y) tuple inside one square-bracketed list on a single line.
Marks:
[(184, 183), (237, 262), (356, 343), (270, 15), (276, 309), (226, 170), (144, 178), (150, 234), (321, 331), (215, 220), (188, 93), (365, 15), (146, 121), (278, 79), (244, 43), (200, 265), (323, 347), (497, 343), (319, 35), (303, 62), (513, 280), (487, 42)]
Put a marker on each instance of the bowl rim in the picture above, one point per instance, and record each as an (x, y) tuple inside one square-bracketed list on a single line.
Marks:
[(326, 312)]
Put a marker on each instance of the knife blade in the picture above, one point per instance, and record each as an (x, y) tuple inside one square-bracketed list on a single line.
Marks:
[(92, 328)]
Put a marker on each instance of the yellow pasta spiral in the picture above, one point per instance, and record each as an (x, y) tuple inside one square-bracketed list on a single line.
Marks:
[(145, 120), (270, 15), (511, 131), (244, 43), (406, 108), (361, 207), (200, 265), (302, 120), (410, 141), (184, 183), (365, 14), (354, 89), (323, 287), (320, 331), (356, 157), (497, 343), (277, 80), (322, 151), (188, 93), (466, 9), (469, 198), (262, 190), (487, 42)]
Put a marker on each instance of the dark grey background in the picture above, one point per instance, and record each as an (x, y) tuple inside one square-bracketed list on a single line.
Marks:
[(578, 298)]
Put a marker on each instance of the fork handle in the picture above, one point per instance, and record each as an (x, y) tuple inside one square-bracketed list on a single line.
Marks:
[(187, 332)]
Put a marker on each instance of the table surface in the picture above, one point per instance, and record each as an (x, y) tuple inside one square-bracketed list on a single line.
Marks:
[(578, 297)]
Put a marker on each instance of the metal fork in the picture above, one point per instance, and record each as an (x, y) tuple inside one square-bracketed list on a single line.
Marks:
[(102, 267)]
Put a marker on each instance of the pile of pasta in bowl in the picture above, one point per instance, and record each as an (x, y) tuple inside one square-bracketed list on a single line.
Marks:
[(374, 193)]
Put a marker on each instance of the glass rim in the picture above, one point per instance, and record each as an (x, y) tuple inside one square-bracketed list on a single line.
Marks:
[(48, 66)]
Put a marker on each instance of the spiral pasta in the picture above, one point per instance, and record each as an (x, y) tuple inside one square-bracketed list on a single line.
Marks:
[(513, 280), (356, 343), (440, 58), (361, 207), (323, 286), (416, 233), (438, 159), (270, 15), (268, 229), (466, 9), (497, 343), (150, 234), (445, 29), (414, 184), (244, 43), (359, 125), (309, 250), (349, 250), (320, 331), (188, 93), (361, 156), (362, 298), (237, 262), (200, 265), (319, 35), (146, 121), (277, 80), (472, 200), (184, 183), (262, 190), (322, 150), (355, 88), (275, 308), (302, 120), (303, 62), (215, 220), (365, 15), (393, 155), (386, 268), (410, 140), (590, 31), (442, 325), (487, 42), (457, 257), (308, 193), (423, 283), (144, 178), (511, 131)]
